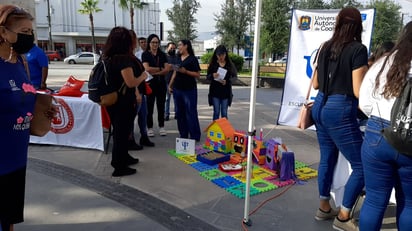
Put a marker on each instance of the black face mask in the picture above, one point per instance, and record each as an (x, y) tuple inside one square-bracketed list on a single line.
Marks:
[(24, 43), (172, 52)]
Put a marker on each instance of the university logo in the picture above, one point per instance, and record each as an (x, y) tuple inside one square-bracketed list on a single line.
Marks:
[(304, 22), (63, 122)]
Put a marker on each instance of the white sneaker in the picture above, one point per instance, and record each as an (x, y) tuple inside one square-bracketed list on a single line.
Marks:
[(162, 131), (150, 132)]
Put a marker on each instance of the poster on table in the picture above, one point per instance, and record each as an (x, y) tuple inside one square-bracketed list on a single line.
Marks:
[(309, 29)]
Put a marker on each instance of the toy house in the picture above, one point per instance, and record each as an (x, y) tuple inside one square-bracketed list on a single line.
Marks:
[(220, 136)]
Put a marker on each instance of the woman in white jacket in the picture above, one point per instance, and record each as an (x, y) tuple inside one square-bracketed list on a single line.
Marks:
[(384, 167)]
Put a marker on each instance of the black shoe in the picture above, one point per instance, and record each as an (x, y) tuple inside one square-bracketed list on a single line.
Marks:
[(144, 140), (133, 146), (166, 118), (124, 171), (132, 161)]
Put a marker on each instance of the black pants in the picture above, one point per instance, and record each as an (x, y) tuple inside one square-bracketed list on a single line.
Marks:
[(158, 85), (122, 116), (12, 191)]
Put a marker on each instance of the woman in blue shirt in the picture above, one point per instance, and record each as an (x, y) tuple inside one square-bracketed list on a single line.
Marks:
[(16, 108)]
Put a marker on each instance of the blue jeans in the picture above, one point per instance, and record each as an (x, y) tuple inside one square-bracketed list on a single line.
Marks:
[(142, 116), (384, 168), (220, 106), (337, 129), (186, 113)]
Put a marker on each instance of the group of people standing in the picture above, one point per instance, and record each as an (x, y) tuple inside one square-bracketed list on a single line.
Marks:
[(151, 77), (347, 86), (146, 77)]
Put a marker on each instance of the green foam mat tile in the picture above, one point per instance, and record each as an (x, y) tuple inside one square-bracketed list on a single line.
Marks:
[(299, 164), (240, 190), (263, 186), (213, 174)]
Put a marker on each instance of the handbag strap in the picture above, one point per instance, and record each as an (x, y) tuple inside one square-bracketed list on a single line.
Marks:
[(315, 66)]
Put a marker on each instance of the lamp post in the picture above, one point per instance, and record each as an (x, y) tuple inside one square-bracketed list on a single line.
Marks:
[(51, 45)]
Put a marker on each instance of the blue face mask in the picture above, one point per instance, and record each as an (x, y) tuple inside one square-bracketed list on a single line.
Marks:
[(24, 43)]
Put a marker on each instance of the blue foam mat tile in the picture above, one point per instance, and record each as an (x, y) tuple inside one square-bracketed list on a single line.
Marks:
[(226, 182)]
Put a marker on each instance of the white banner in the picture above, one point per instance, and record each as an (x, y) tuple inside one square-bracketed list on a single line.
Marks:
[(78, 123), (309, 29)]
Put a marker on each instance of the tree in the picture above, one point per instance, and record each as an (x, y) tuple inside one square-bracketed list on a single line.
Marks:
[(311, 4), (388, 21), (233, 34), (182, 16), (131, 5), (275, 26), (89, 7), (338, 4)]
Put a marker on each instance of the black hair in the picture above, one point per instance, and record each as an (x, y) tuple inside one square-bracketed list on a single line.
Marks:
[(189, 46)]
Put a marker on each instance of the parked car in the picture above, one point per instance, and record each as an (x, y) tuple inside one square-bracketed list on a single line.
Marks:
[(53, 55), (282, 60), (82, 57)]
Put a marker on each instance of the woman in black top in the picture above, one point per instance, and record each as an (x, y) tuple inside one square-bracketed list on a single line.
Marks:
[(342, 64), (220, 89), (155, 62), (125, 74), (184, 87)]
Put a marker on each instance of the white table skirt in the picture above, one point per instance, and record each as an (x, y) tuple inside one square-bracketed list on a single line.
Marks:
[(78, 124), (340, 177)]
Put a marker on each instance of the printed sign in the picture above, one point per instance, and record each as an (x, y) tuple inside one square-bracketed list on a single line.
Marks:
[(185, 146)]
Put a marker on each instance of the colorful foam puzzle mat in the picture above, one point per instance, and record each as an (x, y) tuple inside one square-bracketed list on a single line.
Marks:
[(234, 182)]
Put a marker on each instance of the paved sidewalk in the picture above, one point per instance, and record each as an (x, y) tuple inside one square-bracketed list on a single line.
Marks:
[(72, 189)]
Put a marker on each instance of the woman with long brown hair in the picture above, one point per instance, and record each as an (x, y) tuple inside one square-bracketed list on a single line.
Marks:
[(384, 167), (342, 63), (125, 74)]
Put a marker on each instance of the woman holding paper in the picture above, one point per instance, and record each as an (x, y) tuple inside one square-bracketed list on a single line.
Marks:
[(220, 72), (183, 85)]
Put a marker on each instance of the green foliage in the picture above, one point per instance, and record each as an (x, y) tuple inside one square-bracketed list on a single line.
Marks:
[(206, 57), (131, 5), (182, 16), (89, 7), (387, 21), (311, 4), (233, 34), (338, 4), (237, 60), (275, 26)]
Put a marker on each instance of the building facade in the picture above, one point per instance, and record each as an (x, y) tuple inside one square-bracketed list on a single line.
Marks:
[(71, 31)]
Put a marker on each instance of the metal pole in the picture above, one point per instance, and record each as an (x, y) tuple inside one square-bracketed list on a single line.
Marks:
[(251, 128), (114, 12), (51, 45), (154, 15)]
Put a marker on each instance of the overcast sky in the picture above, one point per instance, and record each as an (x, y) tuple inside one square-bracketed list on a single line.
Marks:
[(205, 14)]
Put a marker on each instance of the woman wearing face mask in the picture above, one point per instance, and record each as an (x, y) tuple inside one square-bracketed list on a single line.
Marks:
[(16, 108)]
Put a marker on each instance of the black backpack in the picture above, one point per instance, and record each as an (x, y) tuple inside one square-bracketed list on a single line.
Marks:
[(99, 82), (399, 134)]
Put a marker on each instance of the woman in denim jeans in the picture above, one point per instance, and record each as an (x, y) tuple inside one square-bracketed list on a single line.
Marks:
[(183, 85), (220, 88), (384, 167), (341, 66)]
